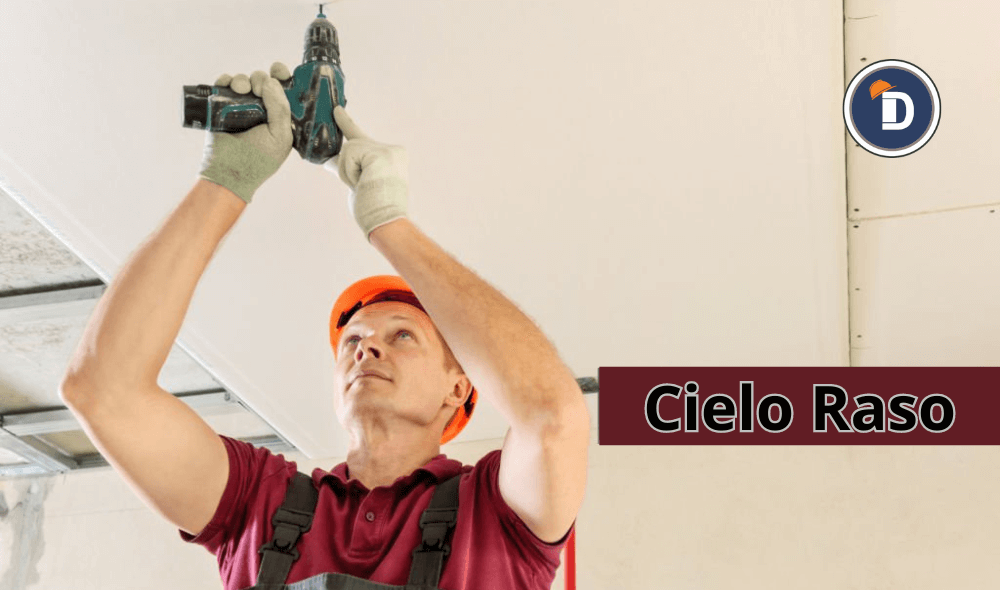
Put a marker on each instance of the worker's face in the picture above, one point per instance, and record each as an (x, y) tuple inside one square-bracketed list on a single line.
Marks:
[(400, 343)]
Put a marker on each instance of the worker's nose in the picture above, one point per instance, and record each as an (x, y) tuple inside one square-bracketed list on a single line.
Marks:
[(368, 347)]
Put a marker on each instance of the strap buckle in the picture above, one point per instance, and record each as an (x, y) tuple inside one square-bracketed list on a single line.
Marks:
[(423, 548), (282, 542), (296, 518), (435, 523), (289, 524)]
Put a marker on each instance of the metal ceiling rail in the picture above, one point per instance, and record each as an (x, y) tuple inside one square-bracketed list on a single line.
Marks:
[(19, 432), (210, 402), (273, 443), (587, 384), (54, 301), (41, 454)]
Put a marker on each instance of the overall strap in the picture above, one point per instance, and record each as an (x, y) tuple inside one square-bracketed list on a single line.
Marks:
[(436, 523), (291, 520)]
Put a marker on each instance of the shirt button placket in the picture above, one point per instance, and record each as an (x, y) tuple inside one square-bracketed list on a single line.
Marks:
[(369, 534)]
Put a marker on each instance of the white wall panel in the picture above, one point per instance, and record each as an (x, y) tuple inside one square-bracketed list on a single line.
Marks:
[(956, 45), (924, 289)]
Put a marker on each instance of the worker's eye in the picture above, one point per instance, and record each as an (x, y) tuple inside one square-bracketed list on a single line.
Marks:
[(349, 339), (407, 332)]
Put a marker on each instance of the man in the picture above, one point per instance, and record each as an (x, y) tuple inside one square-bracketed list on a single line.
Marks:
[(408, 350)]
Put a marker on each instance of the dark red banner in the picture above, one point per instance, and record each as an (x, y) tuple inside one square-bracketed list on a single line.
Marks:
[(799, 405)]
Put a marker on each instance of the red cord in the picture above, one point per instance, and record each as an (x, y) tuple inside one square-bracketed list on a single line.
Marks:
[(571, 561)]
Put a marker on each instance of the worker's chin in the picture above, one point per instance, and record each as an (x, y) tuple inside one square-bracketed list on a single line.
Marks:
[(367, 383), (368, 389)]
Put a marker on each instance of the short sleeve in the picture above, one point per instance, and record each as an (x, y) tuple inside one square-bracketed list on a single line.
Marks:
[(248, 466), (511, 523)]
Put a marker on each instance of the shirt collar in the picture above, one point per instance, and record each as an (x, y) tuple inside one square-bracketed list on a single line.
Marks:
[(437, 470)]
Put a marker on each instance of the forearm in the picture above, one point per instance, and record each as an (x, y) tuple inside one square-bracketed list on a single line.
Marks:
[(502, 351), (134, 325)]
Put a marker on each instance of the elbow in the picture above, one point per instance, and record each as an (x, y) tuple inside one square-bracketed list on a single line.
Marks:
[(70, 389), (76, 378), (81, 382), (77, 388)]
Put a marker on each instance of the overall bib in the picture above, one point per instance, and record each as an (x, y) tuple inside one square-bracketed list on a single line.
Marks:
[(294, 517)]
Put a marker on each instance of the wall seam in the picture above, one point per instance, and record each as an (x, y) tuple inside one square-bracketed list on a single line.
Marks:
[(847, 194)]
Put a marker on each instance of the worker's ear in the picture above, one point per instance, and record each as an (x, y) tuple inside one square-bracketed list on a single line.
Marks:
[(460, 391), (461, 387), (457, 398)]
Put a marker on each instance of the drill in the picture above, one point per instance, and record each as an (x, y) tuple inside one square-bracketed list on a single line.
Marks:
[(314, 89)]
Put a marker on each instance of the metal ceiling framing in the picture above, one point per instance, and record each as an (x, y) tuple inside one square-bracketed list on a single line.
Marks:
[(20, 432), (26, 428), (43, 283)]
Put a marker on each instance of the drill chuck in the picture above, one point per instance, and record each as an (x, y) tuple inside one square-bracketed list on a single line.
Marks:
[(321, 43)]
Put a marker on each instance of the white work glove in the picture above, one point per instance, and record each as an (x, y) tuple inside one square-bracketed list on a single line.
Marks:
[(375, 172), (242, 161)]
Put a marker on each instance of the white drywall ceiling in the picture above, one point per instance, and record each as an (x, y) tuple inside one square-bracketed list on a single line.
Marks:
[(651, 192)]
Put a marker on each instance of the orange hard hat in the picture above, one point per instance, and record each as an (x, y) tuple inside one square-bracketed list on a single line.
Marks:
[(379, 288), (878, 87)]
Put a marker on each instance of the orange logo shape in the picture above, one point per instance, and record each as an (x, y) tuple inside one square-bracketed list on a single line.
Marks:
[(878, 87)]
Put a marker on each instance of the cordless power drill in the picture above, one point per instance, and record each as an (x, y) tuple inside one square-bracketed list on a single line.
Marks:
[(314, 89)]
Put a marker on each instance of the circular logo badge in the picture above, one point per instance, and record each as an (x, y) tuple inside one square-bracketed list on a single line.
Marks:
[(892, 108)]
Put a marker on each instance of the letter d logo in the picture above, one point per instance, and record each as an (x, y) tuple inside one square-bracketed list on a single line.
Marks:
[(896, 123)]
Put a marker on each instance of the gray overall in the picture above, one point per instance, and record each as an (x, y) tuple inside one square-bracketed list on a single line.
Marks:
[(294, 517)]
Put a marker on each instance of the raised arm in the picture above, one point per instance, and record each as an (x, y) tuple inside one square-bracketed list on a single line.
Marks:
[(166, 453), (543, 464)]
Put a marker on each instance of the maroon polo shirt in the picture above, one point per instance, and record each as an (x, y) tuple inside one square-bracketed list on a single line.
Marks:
[(371, 533)]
